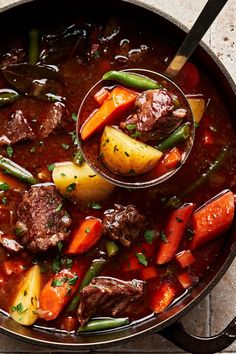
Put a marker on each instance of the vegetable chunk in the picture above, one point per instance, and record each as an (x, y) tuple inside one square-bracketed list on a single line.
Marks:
[(124, 155), (24, 307)]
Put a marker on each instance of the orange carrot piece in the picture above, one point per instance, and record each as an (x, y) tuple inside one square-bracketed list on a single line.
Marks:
[(119, 100), (148, 273), (85, 237), (58, 291), (185, 280), (101, 96), (212, 219), (132, 262), (185, 258), (169, 161), (175, 229), (162, 297)]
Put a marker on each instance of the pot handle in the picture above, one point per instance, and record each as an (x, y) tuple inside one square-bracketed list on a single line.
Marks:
[(176, 334)]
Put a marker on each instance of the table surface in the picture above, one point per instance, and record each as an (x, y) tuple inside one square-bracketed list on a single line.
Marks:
[(219, 308)]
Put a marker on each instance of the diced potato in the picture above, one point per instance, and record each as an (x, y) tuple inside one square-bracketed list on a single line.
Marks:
[(80, 183), (24, 307), (124, 155), (198, 107)]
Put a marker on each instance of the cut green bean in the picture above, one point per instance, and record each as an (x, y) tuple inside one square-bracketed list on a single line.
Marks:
[(132, 80), (92, 272), (7, 96), (112, 248), (211, 169), (17, 171), (101, 325), (33, 51), (180, 134)]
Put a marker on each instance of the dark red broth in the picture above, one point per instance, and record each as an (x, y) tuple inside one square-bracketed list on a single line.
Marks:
[(81, 64)]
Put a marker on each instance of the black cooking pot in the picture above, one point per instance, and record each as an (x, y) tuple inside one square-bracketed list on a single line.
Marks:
[(26, 14)]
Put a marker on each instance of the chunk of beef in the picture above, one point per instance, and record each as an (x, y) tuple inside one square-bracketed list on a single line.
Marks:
[(107, 296), (27, 121), (123, 224), (155, 116), (43, 219)]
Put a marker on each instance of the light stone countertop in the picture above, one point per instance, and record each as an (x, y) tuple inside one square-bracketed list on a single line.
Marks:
[(219, 308)]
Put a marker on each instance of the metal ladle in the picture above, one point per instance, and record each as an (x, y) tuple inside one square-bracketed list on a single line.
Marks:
[(201, 25)]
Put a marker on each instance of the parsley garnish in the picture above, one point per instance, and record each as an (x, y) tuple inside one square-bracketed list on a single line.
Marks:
[(71, 187), (69, 262), (56, 265), (72, 281), (74, 117), (141, 258), (163, 237), (65, 146), (131, 126), (149, 235), (178, 219), (94, 205), (57, 283), (9, 151), (60, 246), (87, 230), (4, 187), (4, 200), (51, 167), (78, 158), (59, 208), (18, 308)]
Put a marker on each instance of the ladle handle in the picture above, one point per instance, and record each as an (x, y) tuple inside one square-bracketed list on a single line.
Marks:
[(201, 25)]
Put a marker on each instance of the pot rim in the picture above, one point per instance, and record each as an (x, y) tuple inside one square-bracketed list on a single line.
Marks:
[(206, 289)]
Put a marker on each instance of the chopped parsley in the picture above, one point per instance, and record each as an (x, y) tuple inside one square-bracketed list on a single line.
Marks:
[(178, 219), (18, 308), (126, 153), (33, 149), (131, 126), (94, 205), (72, 281), (56, 265), (4, 187), (51, 167), (71, 188), (4, 200), (57, 282), (190, 233), (69, 262), (149, 235), (74, 117), (59, 208), (78, 158), (163, 237), (87, 230), (141, 258), (65, 146), (9, 151), (136, 134), (59, 246)]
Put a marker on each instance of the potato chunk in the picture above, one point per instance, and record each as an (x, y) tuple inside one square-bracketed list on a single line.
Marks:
[(80, 183), (124, 155), (24, 307), (198, 107)]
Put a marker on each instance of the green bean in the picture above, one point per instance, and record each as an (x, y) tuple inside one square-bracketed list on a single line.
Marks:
[(33, 51), (99, 325), (7, 96), (112, 248), (211, 169), (180, 134), (93, 270), (78, 158), (132, 80), (17, 171)]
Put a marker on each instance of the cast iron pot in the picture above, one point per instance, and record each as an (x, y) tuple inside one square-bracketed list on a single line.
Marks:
[(26, 13)]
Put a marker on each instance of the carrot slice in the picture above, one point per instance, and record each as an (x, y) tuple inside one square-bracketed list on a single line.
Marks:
[(212, 219), (185, 258), (58, 291), (119, 100), (101, 96), (14, 266), (170, 161), (174, 233), (185, 280), (132, 262), (85, 237), (148, 273), (162, 297)]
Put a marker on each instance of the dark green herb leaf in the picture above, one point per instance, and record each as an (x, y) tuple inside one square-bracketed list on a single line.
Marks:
[(78, 158), (4, 187), (18, 308), (71, 187), (141, 258), (51, 167), (163, 237), (4, 200), (72, 281), (131, 126), (57, 283), (65, 146), (87, 230), (59, 246), (178, 219), (56, 265), (74, 117), (9, 151), (136, 134), (69, 262), (126, 153), (94, 205), (59, 208), (149, 235)]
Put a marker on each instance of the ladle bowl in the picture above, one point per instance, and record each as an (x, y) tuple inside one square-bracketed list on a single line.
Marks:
[(90, 147)]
